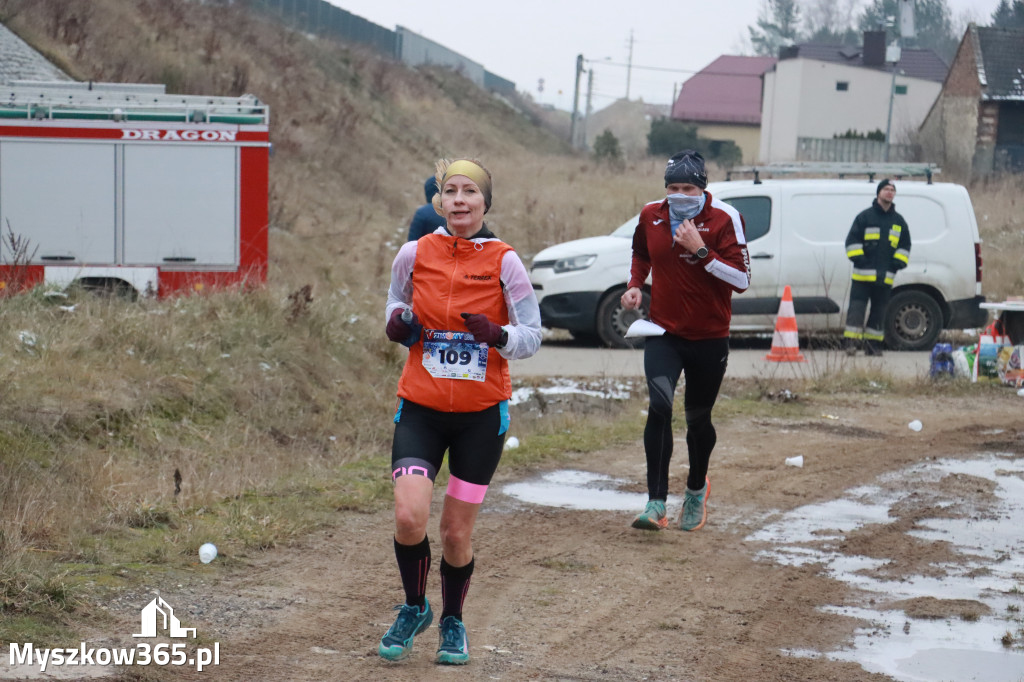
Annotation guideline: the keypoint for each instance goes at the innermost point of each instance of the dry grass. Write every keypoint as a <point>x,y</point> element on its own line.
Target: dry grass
<point>998,204</point>
<point>100,405</point>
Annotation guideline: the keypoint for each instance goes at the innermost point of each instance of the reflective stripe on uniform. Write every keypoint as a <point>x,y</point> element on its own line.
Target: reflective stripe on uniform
<point>864,275</point>
<point>894,235</point>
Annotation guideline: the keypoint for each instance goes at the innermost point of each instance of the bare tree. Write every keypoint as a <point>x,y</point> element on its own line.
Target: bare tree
<point>831,21</point>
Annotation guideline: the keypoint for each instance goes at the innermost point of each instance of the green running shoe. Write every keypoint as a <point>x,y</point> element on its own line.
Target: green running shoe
<point>653,516</point>
<point>695,508</point>
<point>454,647</point>
<point>396,643</point>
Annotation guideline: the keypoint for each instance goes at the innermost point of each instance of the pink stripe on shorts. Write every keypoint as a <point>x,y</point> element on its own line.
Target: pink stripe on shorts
<point>467,492</point>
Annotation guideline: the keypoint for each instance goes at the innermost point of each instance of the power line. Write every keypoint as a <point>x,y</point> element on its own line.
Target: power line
<point>663,68</point>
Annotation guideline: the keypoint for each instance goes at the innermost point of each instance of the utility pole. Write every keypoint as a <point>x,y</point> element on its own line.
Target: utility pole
<point>907,30</point>
<point>892,95</point>
<point>576,101</point>
<point>629,69</point>
<point>586,116</point>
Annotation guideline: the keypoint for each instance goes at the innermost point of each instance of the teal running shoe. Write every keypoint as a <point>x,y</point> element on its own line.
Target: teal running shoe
<point>653,517</point>
<point>454,646</point>
<point>396,643</point>
<point>695,508</point>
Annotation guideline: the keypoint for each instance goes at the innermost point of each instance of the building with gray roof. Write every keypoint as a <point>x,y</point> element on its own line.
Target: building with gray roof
<point>19,62</point>
<point>976,125</point>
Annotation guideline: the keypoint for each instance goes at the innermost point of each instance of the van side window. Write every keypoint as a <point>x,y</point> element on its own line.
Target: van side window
<point>757,214</point>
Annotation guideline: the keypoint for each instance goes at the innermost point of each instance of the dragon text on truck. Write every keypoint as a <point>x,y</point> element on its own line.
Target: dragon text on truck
<point>125,188</point>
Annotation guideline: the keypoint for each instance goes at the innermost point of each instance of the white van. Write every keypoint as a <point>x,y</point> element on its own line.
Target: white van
<point>796,232</point>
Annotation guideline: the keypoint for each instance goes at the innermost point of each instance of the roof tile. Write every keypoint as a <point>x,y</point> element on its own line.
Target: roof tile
<point>728,90</point>
<point>1002,53</point>
<point>18,61</point>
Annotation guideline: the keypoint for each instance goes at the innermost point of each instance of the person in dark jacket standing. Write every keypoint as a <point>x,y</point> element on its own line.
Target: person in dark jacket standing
<point>878,245</point>
<point>425,220</point>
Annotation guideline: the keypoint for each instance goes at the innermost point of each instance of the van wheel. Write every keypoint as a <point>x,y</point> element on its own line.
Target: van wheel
<point>613,320</point>
<point>913,321</point>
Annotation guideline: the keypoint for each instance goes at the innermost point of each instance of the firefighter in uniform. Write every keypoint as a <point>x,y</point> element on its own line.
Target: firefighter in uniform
<point>878,244</point>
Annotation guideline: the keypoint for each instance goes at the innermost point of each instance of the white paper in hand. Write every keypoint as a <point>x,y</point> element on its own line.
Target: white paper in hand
<point>644,328</point>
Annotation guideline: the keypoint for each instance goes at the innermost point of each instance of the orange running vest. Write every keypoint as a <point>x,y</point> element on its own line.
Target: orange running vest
<point>453,276</point>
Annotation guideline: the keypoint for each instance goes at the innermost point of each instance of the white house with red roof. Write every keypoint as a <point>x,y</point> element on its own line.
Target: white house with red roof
<point>724,101</point>
<point>816,92</point>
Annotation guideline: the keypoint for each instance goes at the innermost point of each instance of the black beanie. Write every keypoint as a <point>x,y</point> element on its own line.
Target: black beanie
<point>882,185</point>
<point>686,166</point>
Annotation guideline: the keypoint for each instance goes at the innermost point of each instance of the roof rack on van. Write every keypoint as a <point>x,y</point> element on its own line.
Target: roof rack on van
<point>885,170</point>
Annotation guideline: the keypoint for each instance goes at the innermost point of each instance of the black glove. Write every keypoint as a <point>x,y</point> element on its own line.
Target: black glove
<point>404,327</point>
<point>483,330</point>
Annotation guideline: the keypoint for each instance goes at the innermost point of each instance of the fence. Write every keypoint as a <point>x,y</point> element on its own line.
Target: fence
<point>853,150</point>
<point>324,19</point>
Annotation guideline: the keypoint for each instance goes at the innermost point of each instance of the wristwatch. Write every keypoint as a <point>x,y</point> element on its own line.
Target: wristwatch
<point>702,252</point>
<point>502,339</point>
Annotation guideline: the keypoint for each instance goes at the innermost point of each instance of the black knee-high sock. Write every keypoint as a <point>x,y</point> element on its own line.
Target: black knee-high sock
<point>413,566</point>
<point>454,586</point>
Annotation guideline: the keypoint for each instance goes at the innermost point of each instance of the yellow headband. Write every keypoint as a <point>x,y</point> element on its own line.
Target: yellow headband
<point>471,171</point>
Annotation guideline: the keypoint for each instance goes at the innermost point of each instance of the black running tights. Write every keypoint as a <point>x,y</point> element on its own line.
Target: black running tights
<point>702,364</point>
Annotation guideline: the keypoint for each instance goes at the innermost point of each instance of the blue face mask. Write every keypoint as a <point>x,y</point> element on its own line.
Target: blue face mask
<point>683,206</point>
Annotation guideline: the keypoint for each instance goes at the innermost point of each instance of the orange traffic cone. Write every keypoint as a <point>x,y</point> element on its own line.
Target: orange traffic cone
<point>785,342</point>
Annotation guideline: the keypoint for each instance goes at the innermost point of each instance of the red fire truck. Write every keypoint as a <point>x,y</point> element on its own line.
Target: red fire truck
<point>126,188</point>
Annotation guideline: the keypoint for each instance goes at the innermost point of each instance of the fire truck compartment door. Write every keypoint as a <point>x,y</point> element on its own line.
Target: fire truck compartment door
<point>59,198</point>
<point>180,205</point>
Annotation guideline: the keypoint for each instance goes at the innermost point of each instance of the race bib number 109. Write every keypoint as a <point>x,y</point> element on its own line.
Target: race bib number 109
<point>454,355</point>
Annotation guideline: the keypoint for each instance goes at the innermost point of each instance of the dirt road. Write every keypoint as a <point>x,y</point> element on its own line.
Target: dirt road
<point>578,595</point>
<point>571,359</point>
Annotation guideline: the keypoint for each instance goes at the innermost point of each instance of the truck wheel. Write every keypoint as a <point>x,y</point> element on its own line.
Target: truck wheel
<point>913,321</point>
<point>613,320</point>
<point>108,288</point>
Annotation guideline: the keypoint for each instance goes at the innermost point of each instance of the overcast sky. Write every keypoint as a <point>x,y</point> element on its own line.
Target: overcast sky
<point>529,40</point>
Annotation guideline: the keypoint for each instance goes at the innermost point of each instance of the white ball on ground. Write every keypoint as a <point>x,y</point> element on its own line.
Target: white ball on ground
<point>512,443</point>
<point>208,552</point>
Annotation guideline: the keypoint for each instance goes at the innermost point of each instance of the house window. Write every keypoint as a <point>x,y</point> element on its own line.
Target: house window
<point>842,86</point>
<point>900,89</point>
